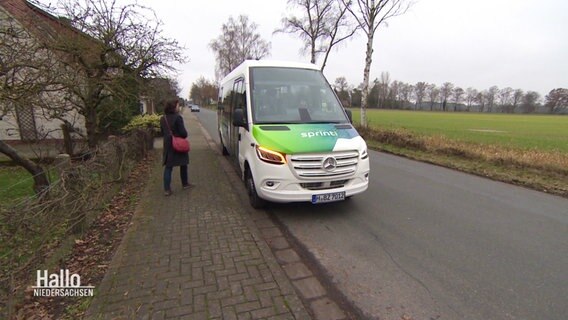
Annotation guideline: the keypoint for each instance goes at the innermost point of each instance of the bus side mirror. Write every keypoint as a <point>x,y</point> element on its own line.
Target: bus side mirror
<point>349,115</point>
<point>239,118</point>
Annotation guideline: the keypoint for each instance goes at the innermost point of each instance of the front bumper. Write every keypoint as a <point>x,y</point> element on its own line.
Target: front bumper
<point>278,183</point>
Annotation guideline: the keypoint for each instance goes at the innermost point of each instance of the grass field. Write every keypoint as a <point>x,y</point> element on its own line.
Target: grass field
<point>528,150</point>
<point>533,132</point>
<point>15,184</point>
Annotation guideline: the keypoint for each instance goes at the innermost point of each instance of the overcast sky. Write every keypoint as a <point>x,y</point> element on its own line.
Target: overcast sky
<point>508,43</point>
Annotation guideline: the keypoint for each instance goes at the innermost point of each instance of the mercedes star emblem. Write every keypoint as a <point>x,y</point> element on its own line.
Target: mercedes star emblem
<point>329,164</point>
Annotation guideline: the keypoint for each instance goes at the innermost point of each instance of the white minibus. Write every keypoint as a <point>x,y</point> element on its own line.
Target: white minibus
<point>288,134</point>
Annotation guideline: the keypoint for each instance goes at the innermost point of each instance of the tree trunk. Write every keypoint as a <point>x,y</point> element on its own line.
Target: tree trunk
<point>313,48</point>
<point>324,61</point>
<point>41,182</point>
<point>91,126</point>
<point>67,140</point>
<point>366,71</point>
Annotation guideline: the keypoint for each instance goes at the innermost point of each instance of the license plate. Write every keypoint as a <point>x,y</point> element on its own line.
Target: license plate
<point>328,197</point>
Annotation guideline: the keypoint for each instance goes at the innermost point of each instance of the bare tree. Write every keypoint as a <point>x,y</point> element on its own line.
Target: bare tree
<point>341,29</point>
<point>310,27</point>
<point>25,76</point>
<point>458,96</point>
<point>159,91</point>
<point>356,95</point>
<point>433,94</point>
<point>374,97</point>
<point>406,92</point>
<point>394,94</point>
<point>238,42</point>
<point>445,92</point>
<point>340,84</point>
<point>324,25</point>
<point>370,14</point>
<point>383,87</point>
<point>490,96</point>
<point>203,91</point>
<point>420,93</point>
<point>109,48</point>
<point>517,98</point>
<point>470,97</point>
<point>557,100</point>
<point>505,97</point>
<point>397,95</point>
<point>342,90</point>
<point>530,101</point>
<point>481,99</point>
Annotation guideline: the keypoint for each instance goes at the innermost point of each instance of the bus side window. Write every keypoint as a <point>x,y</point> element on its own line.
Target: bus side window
<point>240,101</point>
<point>235,101</point>
<point>220,102</point>
<point>244,102</point>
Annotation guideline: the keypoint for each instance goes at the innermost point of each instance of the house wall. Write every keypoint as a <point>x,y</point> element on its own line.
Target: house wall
<point>47,128</point>
<point>9,127</point>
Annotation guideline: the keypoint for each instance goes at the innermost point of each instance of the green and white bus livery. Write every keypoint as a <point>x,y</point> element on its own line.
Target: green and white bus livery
<point>288,135</point>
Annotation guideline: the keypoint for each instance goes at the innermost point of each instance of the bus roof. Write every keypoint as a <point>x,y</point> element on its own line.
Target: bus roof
<point>267,63</point>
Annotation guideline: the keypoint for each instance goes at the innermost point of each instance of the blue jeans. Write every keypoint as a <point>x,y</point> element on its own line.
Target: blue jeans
<point>168,177</point>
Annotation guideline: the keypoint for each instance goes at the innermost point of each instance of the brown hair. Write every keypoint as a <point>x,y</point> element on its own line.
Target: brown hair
<point>171,106</point>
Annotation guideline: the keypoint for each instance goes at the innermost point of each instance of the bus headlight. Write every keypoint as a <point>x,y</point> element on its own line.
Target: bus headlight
<point>270,156</point>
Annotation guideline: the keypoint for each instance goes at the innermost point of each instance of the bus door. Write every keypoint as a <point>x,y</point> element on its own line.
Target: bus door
<point>238,102</point>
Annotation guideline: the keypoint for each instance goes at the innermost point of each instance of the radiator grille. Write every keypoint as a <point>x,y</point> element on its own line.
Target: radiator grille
<point>312,165</point>
<point>324,185</point>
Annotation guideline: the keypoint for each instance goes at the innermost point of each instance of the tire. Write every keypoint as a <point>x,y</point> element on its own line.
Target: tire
<point>255,201</point>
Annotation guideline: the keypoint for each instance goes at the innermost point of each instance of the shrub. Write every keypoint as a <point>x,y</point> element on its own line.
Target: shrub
<point>146,121</point>
<point>35,230</point>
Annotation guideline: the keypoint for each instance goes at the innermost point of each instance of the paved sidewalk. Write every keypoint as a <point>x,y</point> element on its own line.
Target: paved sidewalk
<point>195,255</point>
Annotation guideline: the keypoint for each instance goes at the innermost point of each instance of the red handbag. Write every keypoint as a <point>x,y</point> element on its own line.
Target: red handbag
<point>179,144</point>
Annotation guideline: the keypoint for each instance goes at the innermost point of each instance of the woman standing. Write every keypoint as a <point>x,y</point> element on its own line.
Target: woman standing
<point>172,123</point>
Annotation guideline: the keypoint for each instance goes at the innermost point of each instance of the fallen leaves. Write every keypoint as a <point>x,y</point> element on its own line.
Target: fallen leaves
<point>91,254</point>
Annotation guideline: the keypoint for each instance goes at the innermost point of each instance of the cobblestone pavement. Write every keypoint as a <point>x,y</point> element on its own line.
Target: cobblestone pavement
<point>198,255</point>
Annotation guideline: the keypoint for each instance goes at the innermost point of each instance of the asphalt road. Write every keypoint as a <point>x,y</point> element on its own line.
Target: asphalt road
<point>208,119</point>
<point>425,242</point>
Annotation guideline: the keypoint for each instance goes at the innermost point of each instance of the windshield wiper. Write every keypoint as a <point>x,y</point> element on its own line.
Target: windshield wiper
<point>333,122</point>
<point>277,122</point>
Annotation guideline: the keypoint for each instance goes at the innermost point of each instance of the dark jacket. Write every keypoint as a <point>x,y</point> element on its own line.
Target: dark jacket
<point>172,158</point>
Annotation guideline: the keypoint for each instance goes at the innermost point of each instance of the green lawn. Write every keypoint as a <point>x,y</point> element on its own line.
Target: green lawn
<point>537,132</point>
<point>15,184</point>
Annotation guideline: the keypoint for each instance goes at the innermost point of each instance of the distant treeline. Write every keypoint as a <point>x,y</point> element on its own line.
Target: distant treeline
<point>387,94</point>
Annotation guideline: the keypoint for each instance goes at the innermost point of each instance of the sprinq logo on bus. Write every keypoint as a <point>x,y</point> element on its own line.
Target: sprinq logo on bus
<point>320,133</point>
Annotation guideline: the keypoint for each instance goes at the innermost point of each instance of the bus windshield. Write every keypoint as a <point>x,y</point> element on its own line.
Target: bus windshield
<point>292,95</point>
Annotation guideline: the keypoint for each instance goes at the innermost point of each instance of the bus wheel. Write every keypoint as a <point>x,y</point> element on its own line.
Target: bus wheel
<point>255,201</point>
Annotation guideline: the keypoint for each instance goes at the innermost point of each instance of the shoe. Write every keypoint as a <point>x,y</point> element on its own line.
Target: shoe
<point>188,186</point>
<point>168,193</point>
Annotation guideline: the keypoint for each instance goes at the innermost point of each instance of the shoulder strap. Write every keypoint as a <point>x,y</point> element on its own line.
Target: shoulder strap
<point>168,124</point>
